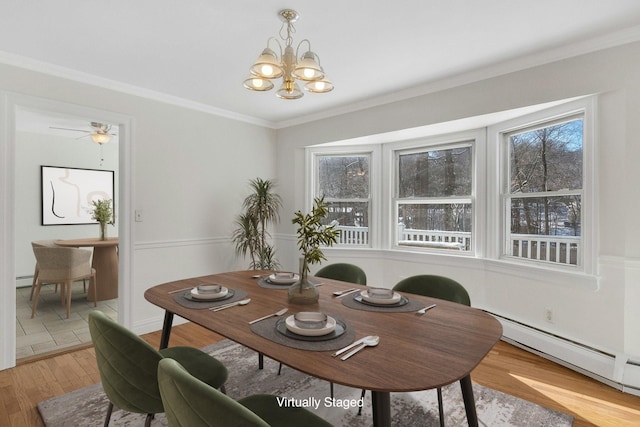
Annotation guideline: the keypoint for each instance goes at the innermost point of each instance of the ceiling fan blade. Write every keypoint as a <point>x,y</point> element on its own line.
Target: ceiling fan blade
<point>75,130</point>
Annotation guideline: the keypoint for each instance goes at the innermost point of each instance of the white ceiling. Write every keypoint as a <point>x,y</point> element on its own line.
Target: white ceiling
<point>197,52</point>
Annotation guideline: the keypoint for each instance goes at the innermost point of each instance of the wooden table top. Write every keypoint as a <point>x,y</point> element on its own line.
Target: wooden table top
<point>92,241</point>
<point>415,352</point>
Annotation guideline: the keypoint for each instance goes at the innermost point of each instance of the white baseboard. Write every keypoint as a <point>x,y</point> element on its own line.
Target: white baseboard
<point>614,370</point>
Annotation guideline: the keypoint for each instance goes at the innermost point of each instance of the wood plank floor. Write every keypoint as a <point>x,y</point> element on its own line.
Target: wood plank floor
<point>507,368</point>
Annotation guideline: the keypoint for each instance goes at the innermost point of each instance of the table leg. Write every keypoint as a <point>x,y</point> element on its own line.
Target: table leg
<point>166,329</point>
<point>381,402</point>
<point>469,401</point>
<point>105,261</point>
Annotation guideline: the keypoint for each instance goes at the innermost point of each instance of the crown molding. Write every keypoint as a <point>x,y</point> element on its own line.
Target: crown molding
<point>91,79</point>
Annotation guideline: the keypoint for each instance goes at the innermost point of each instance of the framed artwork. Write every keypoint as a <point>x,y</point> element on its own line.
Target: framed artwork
<point>67,193</point>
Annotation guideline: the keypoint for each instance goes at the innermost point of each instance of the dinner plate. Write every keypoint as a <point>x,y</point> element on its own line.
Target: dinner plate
<point>403,301</point>
<point>339,329</point>
<point>396,298</point>
<point>194,295</point>
<point>329,327</point>
<point>283,280</point>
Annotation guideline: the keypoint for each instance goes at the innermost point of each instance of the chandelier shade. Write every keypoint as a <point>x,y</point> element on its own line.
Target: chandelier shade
<point>270,66</point>
<point>267,66</point>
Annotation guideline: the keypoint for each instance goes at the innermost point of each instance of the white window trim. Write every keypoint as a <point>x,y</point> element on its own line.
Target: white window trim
<point>373,151</point>
<point>476,138</point>
<point>497,166</point>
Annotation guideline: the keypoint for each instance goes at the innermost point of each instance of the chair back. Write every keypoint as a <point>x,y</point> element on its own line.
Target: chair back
<point>189,402</point>
<point>44,244</point>
<point>128,366</point>
<point>434,286</point>
<point>57,264</point>
<point>343,271</point>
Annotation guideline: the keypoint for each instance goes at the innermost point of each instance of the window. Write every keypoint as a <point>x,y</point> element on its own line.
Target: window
<point>543,192</point>
<point>434,197</point>
<point>344,181</point>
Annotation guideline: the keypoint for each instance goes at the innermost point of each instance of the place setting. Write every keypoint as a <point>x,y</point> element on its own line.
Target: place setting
<point>209,295</point>
<point>305,330</point>
<point>279,280</point>
<point>381,300</point>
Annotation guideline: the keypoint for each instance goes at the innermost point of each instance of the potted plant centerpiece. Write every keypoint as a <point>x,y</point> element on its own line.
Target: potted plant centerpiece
<point>311,235</point>
<point>260,211</point>
<point>103,213</point>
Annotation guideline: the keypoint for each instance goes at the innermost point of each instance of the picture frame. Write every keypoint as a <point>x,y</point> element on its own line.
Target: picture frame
<point>67,193</point>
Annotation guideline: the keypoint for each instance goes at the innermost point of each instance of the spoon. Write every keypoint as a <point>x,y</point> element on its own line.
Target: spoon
<point>277,313</point>
<point>233,304</point>
<point>424,310</point>
<point>367,342</point>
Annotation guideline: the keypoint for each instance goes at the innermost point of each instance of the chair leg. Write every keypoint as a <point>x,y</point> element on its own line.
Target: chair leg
<point>33,284</point>
<point>95,290</point>
<point>147,422</point>
<point>108,418</point>
<point>260,360</point>
<point>361,397</point>
<point>35,299</point>
<point>440,407</point>
<point>280,369</point>
<point>68,291</point>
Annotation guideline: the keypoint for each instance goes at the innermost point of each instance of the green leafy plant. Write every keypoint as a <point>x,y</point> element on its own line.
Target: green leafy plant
<point>251,236</point>
<point>312,234</point>
<point>102,211</point>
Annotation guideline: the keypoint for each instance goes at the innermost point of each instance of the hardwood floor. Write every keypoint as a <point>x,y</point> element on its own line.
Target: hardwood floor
<point>507,368</point>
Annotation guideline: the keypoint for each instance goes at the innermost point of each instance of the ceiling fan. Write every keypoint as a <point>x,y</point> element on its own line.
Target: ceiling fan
<point>101,133</point>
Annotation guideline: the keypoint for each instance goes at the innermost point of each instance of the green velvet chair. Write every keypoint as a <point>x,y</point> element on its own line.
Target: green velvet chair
<point>343,271</point>
<point>434,286</point>
<point>189,402</point>
<point>128,367</point>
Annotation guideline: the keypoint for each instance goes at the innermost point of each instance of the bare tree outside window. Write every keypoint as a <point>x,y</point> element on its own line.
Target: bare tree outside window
<point>545,191</point>
<point>344,182</point>
<point>434,192</point>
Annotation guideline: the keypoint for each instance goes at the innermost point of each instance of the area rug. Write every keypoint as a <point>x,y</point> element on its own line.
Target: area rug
<point>87,406</point>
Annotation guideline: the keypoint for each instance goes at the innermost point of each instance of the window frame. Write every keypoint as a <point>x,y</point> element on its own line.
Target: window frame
<point>500,228</point>
<point>475,139</point>
<point>313,155</point>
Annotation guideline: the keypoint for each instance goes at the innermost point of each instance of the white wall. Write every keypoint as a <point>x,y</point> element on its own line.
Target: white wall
<point>606,318</point>
<point>190,172</point>
<point>33,150</point>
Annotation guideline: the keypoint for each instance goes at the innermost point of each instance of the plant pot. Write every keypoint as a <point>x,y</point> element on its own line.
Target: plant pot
<point>303,292</point>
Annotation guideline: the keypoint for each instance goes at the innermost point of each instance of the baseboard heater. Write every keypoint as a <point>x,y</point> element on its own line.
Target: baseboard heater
<point>615,370</point>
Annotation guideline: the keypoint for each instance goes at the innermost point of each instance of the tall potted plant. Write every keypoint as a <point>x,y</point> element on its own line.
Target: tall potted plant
<point>312,234</point>
<point>260,211</point>
<point>103,213</point>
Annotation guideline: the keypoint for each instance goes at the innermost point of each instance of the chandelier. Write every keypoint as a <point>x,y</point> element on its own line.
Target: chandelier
<point>269,66</point>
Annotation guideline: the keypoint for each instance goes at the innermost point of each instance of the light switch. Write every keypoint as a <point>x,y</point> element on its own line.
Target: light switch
<point>138,215</point>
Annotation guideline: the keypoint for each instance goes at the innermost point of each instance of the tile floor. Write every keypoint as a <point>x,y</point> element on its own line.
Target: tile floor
<point>50,329</point>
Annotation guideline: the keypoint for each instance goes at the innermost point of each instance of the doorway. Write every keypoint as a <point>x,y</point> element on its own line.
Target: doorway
<point>20,118</point>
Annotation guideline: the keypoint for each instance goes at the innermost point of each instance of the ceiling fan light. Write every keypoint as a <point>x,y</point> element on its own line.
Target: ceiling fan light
<point>308,68</point>
<point>100,138</point>
<point>319,86</point>
<point>267,65</point>
<point>289,90</point>
<point>258,84</point>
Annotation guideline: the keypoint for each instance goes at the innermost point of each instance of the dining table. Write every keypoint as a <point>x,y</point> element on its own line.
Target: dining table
<point>105,262</point>
<point>415,351</point>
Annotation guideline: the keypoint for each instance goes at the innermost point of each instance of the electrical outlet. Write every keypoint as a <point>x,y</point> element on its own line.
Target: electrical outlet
<point>548,315</point>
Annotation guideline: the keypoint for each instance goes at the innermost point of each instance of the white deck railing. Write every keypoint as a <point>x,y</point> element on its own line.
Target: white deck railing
<point>555,249</point>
